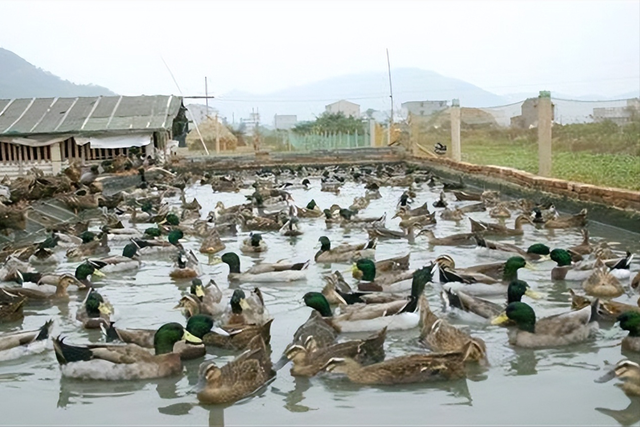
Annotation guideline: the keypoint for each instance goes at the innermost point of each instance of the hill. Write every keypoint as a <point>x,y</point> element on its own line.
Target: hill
<point>370,90</point>
<point>20,79</point>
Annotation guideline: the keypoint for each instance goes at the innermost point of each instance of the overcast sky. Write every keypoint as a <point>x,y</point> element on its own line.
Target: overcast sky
<point>573,47</point>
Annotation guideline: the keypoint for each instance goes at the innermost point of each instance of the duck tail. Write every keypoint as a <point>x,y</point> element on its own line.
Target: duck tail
<point>67,353</point>
<point>371,244</point>
<point>45,330</point>
<point>110,333</point>
<point>450,299</point>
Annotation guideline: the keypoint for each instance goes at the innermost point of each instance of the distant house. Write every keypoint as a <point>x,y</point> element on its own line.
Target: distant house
<point>49,133</point>
<point>423,108</point>
<point>284,121</point>
<point>618,115</point>
<point>344,106</point>
<point>529,114</point>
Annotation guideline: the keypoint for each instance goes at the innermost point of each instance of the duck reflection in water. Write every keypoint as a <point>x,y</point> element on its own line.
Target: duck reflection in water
<point>294,397</point>
<point>73,392</point>
<point>627,416</point>
<point>524,362</point>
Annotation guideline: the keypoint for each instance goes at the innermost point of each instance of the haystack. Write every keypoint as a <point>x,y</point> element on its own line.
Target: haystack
<point>209,128</point>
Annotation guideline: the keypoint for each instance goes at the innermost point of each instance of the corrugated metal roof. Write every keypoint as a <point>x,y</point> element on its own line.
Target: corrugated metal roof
<point>87,114</point>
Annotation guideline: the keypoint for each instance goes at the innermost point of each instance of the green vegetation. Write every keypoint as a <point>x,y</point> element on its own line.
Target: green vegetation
<point>595,153</point>
<point>331,123</point>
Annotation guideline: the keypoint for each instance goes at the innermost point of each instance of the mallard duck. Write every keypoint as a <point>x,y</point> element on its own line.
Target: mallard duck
<point>462,196</point>
<point>452,214</point>
<point>312,210</point>
<point>187,266</point>
<point>81,200</point>
<point>309,359</point>
<point>127,261</point>
<point>238,378</point>
<point>440,336</point>
<point>235,336</point>
<point>364,270</point>
<point>413,368</point>
<point>246,310</point>
<point>629,373</point>
<point>19,344</point>
<point>395,315</point>
<point>212,243</point>
<point>359,203</point>
<point>500,211</point>
<point>43,291</point>
<point>405,213</point>
<point>145,338</point>
<point>452,240</point>
<point>344,252</point>
<point>499,229</point>
<point>478,284</point>
<point>264,272</point>
<point>495,270</point>
<point>630,321</point>
<point>92,245</point>
<point>483,308</point>
<point>11,306</point>
<point>153,247</point>
<point>212,301</point>
<point>565,269</point>
<point>607,310</point>
<point>562,329</point>
<point>441,202</point>
<point>124,362</point>
<point>602,284</point>
<point>577,220</point>
<point>620,267</point>
<point>583,248</point>
<point>535,252</point>
<point>418,221</point>
<point>475,207</point>
<point>94,312</point>
<point>291,228</point>
<point>253,244</point>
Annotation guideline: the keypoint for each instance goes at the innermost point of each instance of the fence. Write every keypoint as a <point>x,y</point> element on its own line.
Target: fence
<point>326,141</point>
<point>596,142</point>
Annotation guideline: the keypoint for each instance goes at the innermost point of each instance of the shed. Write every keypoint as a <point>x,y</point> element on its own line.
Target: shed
<point>51,132</point>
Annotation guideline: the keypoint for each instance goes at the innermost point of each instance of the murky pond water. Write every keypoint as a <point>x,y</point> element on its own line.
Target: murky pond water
<point>551,386</point>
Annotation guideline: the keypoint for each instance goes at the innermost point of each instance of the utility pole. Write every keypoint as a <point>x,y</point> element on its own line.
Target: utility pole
<point>206,96</point>
<point>390,96</point>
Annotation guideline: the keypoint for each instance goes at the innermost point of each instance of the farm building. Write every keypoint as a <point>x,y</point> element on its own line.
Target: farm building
<point>48,133</point>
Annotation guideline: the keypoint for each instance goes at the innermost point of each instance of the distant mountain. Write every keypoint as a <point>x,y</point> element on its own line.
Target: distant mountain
<point>20,79</point>
<point>370,90</point>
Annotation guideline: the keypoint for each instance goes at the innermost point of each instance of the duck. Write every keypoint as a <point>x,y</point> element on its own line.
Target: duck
<point>11,307</point>
<point>463,196</point>
<point>309,358</point>
<point>291,228</point>
<point>477,284</point>
<point>452,214</point>
<point>440,336</point>
<point>602,284</point>
<point>405,212</point>
<point>81,200</point>
<point>584,248</point>
<point>265,272</point>
<point>344,252</point>
<point>499,229</point>
<point>237,379</point>
<point>451,240</point>
<point>565,269</point>
<point>145,338</point>
<point>413,368</point>
<point>385,233</point>
<point>312,210</point>
<point>629,373</point>
<point>535,252</point>
<point>44,290</point>
<point>441,202</point>
<point>113,362</point>
<point>364,270</point>
<point>395,315</point>
<point>608,310</point>
<point>253,244</point>
<point>418,221</point>
<point>94,312</point>
<point>125,262</point>
<point>359,204</point>
<point>620,267</point>
<point>635,282</point>
<point>484,308</point>
<point>210,297</point>
<point>494,270</point>
<point>569,221</point>
<point>92,245</point>
<point>153,247</point>
<point>246,310</point>
<point>187,266</point>
<point>500,211</point>
<point>630,321</point>
<point>229,336</point>
<point>19,344</point>
<point>559,330</point>
<point>212,244</point>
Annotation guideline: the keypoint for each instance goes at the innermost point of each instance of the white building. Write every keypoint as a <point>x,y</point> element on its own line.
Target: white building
<point>344,106</point>
<point>424,108</point>
<point>285,121</point>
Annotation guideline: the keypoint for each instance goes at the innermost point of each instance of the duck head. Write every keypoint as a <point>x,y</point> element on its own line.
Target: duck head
<point>169,334</point>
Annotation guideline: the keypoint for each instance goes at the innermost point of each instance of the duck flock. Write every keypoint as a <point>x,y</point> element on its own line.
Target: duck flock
<point>427,292</point>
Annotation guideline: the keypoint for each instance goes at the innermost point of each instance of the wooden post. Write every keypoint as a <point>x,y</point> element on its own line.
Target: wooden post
<point>413,135</point>
<point>217,132</point>
<point>372,132</point>
<point>455,130</point>
<point>544,133</point>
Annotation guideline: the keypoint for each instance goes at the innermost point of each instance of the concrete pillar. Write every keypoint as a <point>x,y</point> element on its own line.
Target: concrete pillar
<point>372,133</point>
<point>544,133</point>
<point>413,135</point>
<point>455,131</point>
<point>56,158</point>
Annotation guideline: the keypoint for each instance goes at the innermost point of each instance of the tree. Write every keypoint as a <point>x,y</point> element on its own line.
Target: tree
<point>331,123</point>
